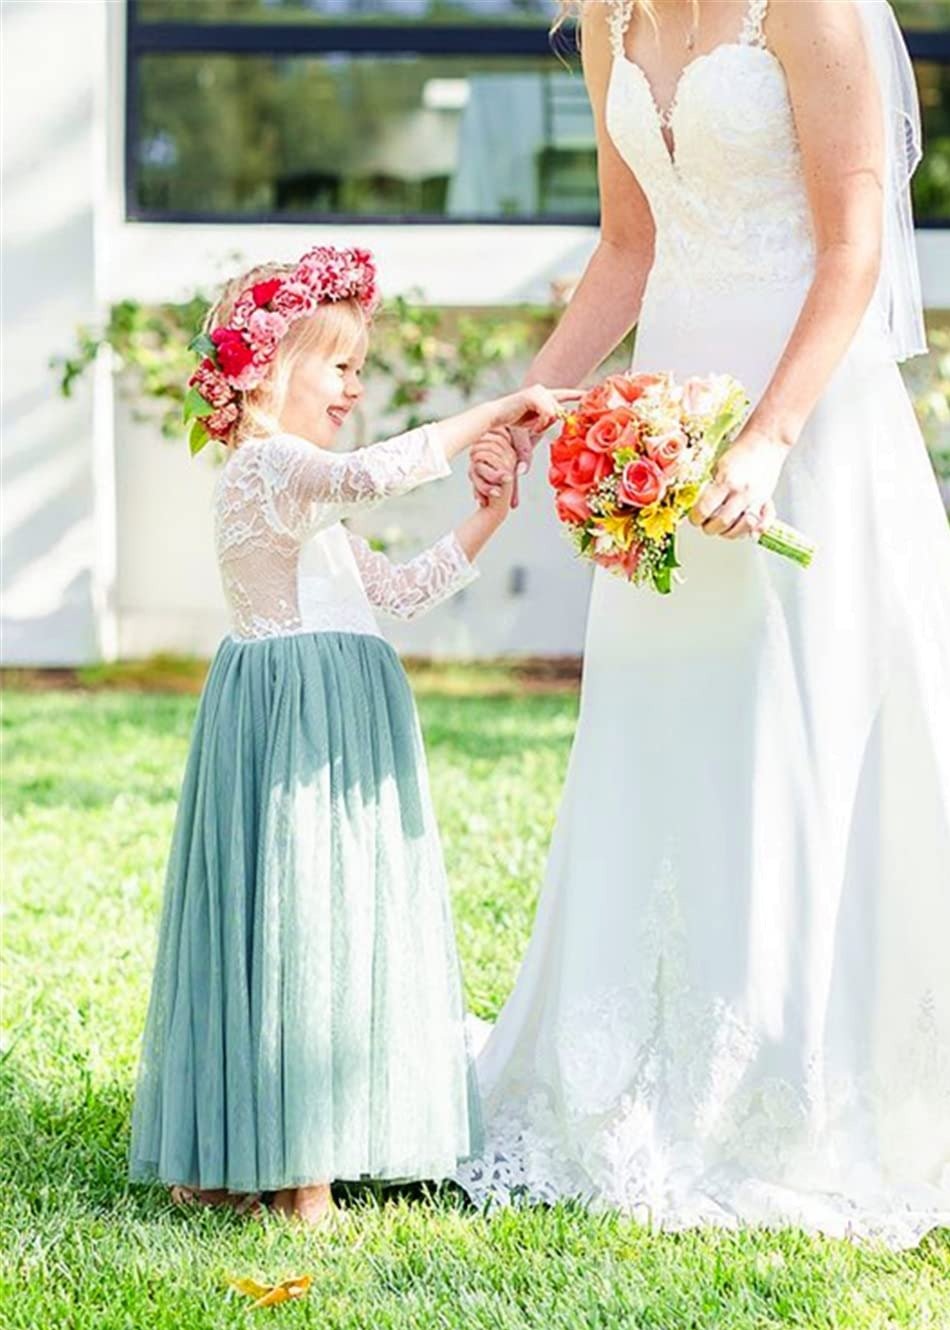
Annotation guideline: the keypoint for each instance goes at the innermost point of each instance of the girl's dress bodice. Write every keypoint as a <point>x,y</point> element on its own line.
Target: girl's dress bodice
<point>728,197</point>
<point>288,565</point>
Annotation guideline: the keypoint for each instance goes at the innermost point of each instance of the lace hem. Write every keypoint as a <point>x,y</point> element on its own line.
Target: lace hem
<point>621,1166</point>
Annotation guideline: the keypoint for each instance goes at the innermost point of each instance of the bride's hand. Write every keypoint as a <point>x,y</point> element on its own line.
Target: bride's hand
<point>738,500</point>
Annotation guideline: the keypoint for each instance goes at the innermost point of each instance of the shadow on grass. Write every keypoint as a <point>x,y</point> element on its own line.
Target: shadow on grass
<point>68,1152</point>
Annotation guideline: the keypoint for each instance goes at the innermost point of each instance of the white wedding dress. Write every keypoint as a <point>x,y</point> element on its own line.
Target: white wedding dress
<point>735,1007</point>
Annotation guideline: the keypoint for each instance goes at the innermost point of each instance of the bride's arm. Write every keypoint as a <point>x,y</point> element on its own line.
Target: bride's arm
<point>606,302</point>
<point>837,113</point>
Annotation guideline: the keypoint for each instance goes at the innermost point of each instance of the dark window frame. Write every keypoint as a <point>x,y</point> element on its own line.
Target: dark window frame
<point>316,39</point>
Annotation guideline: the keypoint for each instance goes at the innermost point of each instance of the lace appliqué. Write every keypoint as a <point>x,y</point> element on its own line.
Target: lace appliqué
<point>619,15</point>
<point>274,496</point>
<point>661,1106</point>
<point>729,201</point>
<point>753,27</point>
<point>405,590</point>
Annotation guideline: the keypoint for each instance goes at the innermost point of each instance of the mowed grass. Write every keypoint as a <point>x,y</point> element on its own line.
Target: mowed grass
<point>90,782</point>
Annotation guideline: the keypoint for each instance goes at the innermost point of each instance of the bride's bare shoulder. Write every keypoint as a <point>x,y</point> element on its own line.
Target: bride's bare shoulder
<point>810,28</point>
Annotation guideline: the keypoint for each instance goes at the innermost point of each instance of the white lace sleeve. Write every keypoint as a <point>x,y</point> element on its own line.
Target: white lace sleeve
<point>405,590</point>
<point>311,488</point>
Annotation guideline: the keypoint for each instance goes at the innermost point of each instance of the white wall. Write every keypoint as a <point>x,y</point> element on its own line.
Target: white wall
<point>54,574</point>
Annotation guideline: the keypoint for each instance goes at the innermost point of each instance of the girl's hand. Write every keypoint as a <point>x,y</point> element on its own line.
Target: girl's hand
<point>535,409</point>
<point>481,472</point>
<point>738,500</point>
<point>491,463</point>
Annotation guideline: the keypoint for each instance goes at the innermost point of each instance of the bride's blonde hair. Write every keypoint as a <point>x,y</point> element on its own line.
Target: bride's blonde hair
<point>569,8</point>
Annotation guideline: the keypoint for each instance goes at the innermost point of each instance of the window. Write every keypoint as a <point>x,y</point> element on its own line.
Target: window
<point>395,110</point>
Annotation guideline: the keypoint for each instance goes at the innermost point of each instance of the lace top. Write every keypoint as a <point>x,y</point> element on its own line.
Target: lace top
<point>720,165</point>
<point>287,563</point>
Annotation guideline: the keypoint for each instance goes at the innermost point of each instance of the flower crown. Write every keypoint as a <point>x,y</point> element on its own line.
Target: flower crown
<point>236,357</point>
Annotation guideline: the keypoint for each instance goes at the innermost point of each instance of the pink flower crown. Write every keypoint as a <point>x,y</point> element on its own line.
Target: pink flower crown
<point>236,357</point>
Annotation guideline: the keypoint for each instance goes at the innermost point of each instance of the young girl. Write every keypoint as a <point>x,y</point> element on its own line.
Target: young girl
<point>306,1016</point>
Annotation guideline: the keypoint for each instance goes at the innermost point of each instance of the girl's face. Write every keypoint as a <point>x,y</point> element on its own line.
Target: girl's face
<point>322,392</point>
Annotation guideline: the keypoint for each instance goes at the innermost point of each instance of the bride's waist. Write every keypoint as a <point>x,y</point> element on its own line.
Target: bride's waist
<point>691,330</point>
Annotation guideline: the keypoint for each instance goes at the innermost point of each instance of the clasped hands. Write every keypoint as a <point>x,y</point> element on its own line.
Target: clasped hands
<point>736,503</point>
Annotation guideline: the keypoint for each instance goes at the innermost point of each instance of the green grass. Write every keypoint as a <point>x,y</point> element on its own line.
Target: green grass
<point>90,781</point>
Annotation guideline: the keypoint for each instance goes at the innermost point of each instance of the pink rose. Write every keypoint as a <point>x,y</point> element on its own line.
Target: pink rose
<point>293,300</point>
<point>211,383</point>
<point>572,507</point>
<point>641,482</point>
<point>264,331</point>
<point>244,307</point>
<point>220,423</point>
<point>700,397</point>
<point>667,450</point>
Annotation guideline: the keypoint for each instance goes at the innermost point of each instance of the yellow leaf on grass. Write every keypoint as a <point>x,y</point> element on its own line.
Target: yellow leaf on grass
<point>269,1295</point>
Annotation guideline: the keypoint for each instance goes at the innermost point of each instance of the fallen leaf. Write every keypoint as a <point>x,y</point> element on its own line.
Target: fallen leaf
<point>269,1295</point>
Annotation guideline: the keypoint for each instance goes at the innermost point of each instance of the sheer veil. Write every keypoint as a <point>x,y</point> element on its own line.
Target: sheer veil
<point>898,296</point>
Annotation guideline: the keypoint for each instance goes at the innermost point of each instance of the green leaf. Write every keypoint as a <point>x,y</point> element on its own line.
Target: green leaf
<point>198,437</point>
<point>195,405</point>
<point>202,345</point>
<point>663,579</point>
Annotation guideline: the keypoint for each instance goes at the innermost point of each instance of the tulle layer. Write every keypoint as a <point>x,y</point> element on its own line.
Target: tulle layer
<point>306,1020</point>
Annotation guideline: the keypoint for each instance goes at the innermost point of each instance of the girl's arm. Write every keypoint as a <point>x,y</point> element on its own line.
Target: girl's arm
<point>838,118</point>
<point>606,303</point>
<point>405,590</point>
<point>312,488</point>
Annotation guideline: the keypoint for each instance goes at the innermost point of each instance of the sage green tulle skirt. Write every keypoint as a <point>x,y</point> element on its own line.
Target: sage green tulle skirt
<point>306,1020</point>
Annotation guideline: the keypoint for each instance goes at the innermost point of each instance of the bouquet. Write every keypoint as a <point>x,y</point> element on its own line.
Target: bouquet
<point>632,460</point>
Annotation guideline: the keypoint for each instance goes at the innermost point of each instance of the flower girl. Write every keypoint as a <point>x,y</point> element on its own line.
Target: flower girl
<point>306,1021</point>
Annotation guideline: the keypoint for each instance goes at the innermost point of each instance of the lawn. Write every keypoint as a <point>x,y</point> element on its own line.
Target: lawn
<point>90,780</point>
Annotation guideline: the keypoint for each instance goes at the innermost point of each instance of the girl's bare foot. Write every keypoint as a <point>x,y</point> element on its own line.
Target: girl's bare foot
<point>311,1205</point>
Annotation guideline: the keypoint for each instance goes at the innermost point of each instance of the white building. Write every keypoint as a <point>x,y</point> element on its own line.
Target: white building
<point>106,535</point>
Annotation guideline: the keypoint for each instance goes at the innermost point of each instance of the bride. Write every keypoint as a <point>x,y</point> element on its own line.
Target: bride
<point>735,1007</point>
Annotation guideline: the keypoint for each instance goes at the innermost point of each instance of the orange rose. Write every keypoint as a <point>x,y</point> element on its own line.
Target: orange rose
<point>617,429</point>
<point>572,507</point>
<point>564,448</point>
<point>624,560</point>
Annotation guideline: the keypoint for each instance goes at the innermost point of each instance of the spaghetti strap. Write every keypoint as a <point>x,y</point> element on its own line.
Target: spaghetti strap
<point>619,15</point>
<point>753,27</point>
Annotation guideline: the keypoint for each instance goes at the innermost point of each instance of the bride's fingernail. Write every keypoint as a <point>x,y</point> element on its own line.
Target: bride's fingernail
<point>522,468</point>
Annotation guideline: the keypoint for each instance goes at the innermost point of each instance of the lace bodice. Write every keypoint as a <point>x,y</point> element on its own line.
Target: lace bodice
<point>720,165</point>
<point>287,563</point>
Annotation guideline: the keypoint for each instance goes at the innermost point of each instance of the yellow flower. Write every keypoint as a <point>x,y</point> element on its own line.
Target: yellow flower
<point>620,530</point>
<point>687,496</point>
<point>656,522</point>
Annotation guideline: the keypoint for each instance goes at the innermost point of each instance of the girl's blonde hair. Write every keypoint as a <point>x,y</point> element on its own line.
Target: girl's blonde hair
<point>334,330</point>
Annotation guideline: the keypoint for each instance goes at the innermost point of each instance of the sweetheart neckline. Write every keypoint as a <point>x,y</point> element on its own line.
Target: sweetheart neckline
<point>664,118</point>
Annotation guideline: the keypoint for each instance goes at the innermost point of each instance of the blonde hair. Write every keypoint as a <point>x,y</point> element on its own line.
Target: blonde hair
<point>334,329</point>
<point>576,7</point>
